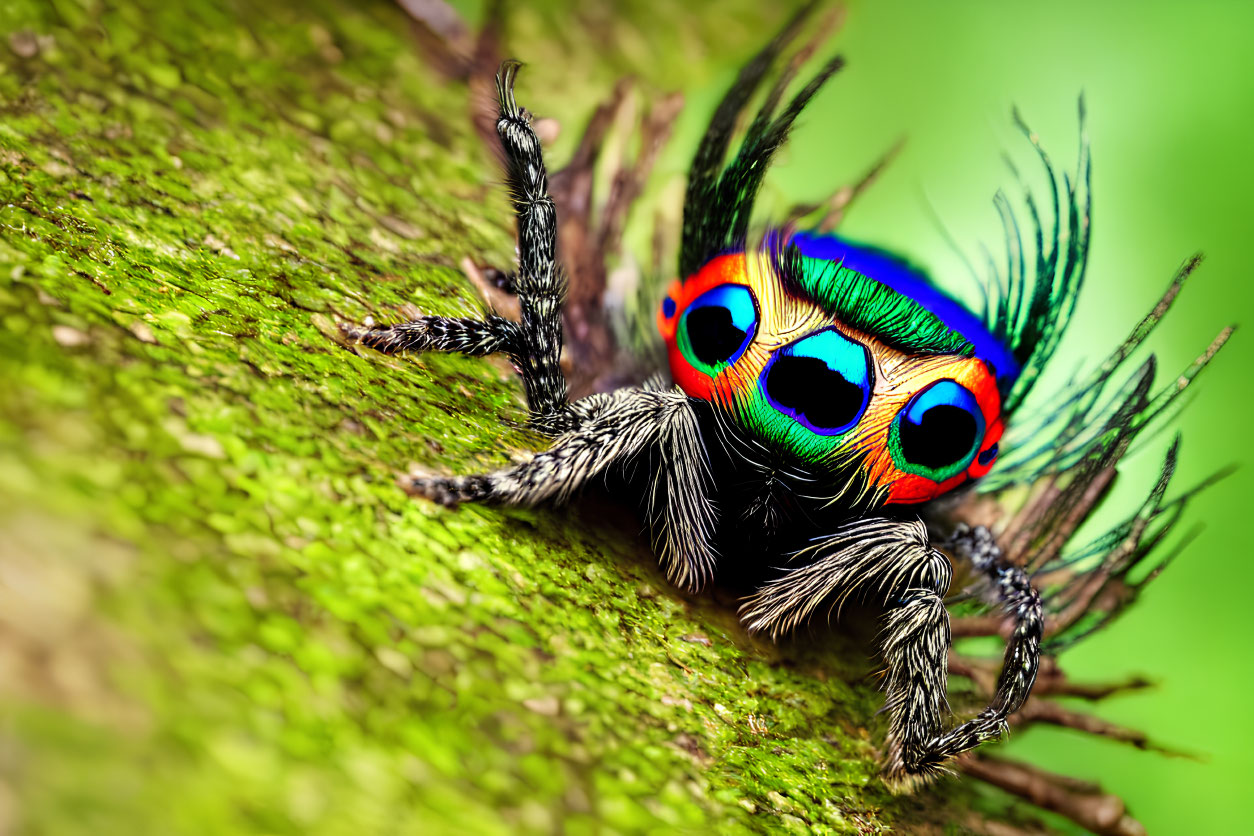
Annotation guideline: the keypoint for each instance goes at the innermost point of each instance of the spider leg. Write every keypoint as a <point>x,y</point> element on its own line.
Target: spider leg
<point>892,562</point>
<point>540,283</point>
<point>595,435</point>
<point>877,560</point>
<point>476,337</point>
<point>1018,598</point>
<point>535,343</point>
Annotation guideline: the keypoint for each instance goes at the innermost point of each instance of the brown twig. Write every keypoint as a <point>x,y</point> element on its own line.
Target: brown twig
<point>443,37</point>
<point>1016,538</point>
<point>446,45</point>
<point>1051,713</point>
<point>1081,802</point>
<point>1051,681</point>
<point>571,186</point>
<point>977,626</point>
<point>1061,518</point>
<point>655,130</point>
<point>587,243</point>
<point>982,672</point>
<point>989,827</point>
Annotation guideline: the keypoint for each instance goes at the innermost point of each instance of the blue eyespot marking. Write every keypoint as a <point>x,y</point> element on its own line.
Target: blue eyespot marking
<point>823,381</point>
<point>988,455</point>
<point>718,326</point>
<point>668,307</point>
<point>937,433</point>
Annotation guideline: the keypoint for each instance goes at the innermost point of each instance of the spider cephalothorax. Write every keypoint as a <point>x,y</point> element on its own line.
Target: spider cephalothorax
<point>826,393</point>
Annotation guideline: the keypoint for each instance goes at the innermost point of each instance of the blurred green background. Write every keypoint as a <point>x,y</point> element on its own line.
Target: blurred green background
<point>1170,93</point>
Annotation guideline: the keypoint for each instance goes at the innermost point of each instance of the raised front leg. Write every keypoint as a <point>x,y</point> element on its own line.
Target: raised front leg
<point>535,343</point>
<point>656,431</point>
<point>891,562</point>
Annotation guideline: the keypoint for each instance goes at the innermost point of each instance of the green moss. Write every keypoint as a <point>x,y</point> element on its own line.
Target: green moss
<point>220,614</point>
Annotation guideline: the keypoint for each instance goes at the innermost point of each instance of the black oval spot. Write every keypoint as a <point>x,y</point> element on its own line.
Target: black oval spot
<point>713,335</point>
<point>943,437</point>
<point>808,387</point>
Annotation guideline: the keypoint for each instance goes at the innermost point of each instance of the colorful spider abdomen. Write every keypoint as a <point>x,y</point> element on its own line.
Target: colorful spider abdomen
<point>842,356</point>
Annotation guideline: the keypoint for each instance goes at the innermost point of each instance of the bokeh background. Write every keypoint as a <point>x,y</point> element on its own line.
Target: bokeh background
<point>1170,94</point>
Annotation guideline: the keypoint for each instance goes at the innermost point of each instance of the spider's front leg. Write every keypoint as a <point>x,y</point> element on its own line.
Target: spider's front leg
<point>656,431</point>
<point>891,562</point>
<point>535,343</point>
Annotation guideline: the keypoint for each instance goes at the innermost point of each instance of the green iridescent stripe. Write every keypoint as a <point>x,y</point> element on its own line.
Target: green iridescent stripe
<point>782,431</point>
<point>865,304</point>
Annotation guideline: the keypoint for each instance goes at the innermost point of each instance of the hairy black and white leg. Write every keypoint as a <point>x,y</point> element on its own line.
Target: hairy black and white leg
<point>884,561</point>
<point>655,430</point>
<point>540,284</point>
<point>1012,589</point>
<point>892,562</point>
<point>680,511</point>
<point>535,343</point>
<point>476,337</point>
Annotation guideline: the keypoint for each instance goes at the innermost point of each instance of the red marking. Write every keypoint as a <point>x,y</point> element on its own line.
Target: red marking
<point>725,269</point>
<point>910,488</point>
